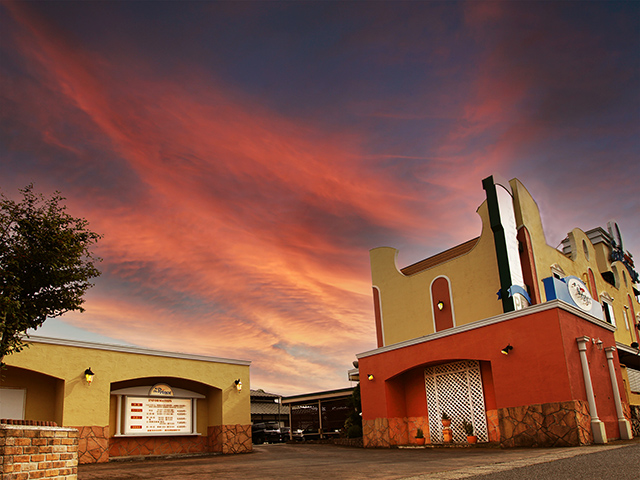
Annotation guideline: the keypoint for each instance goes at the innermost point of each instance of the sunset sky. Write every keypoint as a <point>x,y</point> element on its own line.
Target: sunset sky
<point>242,158</point>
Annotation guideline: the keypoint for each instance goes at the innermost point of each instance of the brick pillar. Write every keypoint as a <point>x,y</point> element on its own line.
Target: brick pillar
<point>29,452</point>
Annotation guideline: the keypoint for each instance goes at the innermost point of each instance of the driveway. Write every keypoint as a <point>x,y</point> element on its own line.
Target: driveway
<point>322,462</point>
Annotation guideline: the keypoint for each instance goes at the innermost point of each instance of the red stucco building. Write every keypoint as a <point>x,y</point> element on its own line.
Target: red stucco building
<point>530,345</point>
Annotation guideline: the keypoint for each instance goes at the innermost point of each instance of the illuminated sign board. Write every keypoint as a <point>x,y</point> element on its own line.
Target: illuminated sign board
<point>157,415</point>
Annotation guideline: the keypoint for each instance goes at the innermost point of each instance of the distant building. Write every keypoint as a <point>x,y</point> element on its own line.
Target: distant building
<point>531,345</point>
<point>129,401</point>
<point>319,414</point>
<point>268,408</point>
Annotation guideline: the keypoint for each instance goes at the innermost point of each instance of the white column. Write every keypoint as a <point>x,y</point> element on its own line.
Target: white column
<point>194,416</point>
<point>623,423</point>
<point>118,415</point>
<point>597,426</point>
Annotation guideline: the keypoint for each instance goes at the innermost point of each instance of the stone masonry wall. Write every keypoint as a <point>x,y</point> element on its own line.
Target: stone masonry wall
<point>29,452</point>
<point>634,417</point>
<point>230,439</point>
<point>93,444</point>
<point>557,424</point>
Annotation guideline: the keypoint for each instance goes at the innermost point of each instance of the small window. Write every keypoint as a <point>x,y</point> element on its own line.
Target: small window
<point>609,278</point>
<point>12,403</point>
<point>624,276</point>
<point>586,249</point>
<point>609,317</point>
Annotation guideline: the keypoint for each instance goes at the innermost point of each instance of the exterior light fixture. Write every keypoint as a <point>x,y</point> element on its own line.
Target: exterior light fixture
<point>88,375</point>
<point>506,350</point>
<point>440,305</point>
<point>238,385</point>
<point>370,377</point>
<point>635,345</point>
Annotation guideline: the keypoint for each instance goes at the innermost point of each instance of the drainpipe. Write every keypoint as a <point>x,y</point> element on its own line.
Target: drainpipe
<point>623,423</point>
<point>597,426</point>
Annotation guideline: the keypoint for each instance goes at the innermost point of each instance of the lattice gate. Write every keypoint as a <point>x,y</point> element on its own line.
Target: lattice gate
<point>456,388</point>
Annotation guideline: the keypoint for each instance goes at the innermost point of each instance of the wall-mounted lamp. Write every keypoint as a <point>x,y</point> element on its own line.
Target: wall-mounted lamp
<point>370,377</point>
<point>597,342</point>
<point>88,375</point>
<point>440,305</point>
<point>238,385</point>
<point>506,350</point>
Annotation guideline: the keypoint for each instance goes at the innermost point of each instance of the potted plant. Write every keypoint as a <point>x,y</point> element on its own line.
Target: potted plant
<point>468,428</point>
<point>446,421</point>
<point>447,434</point>
<point>419,437</point>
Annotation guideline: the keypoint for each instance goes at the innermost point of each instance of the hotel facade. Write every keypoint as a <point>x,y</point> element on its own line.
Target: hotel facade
<point>529,344</point>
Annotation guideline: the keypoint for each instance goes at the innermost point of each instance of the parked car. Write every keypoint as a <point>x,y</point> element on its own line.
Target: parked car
<point>297,435</point>
<point>268,432</point>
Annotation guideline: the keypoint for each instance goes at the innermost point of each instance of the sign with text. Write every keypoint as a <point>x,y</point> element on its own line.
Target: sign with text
<point>153,416</point>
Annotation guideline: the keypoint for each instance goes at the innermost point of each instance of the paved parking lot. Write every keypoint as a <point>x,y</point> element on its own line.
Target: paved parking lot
<point>322,462</point>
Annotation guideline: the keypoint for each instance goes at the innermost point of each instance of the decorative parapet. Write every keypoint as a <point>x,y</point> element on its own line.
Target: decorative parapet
<point>38,452</point>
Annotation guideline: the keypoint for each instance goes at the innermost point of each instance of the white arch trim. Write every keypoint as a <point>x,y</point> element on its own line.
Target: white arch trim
<point>381,316</point>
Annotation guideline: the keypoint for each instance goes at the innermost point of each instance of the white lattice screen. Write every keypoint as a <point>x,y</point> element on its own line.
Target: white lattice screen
<point>456,388</point>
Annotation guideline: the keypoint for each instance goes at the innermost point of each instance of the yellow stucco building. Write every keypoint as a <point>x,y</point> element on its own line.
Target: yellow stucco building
<point>419,299</point>
<point>139,402</point>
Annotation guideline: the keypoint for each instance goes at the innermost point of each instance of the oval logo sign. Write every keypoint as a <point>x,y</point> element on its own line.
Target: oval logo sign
<point>161,390</point>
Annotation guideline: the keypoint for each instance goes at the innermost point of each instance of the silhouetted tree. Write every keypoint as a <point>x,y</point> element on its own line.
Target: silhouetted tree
<point>45,264</point>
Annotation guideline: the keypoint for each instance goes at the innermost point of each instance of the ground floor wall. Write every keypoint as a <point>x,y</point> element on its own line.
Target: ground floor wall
<point>535,394</point>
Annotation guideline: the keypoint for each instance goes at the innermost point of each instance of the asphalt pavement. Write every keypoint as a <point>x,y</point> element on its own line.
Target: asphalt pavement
<point>619,460</point>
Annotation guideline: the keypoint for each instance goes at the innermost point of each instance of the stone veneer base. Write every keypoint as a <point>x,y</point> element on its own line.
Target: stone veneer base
<point>120,447</point>
<point>558,424</point>
<point>95,445</point>
<point>230,439</point>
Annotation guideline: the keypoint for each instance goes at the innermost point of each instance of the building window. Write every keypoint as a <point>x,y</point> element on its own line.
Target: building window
<point>12,401</point>
<point>634,380</point>
<point>557,271</point>
<point>607,310</point>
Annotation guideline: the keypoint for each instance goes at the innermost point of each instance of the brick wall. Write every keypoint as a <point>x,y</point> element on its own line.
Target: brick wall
<point>38,452</point>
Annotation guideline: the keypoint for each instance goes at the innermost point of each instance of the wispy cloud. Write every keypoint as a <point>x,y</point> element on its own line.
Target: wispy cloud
<point>241,173</point>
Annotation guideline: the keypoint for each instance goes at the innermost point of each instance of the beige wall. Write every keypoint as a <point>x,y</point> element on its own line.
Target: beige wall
<point>578,265</point>
<point>406,299</point>
<point>84,405</point>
